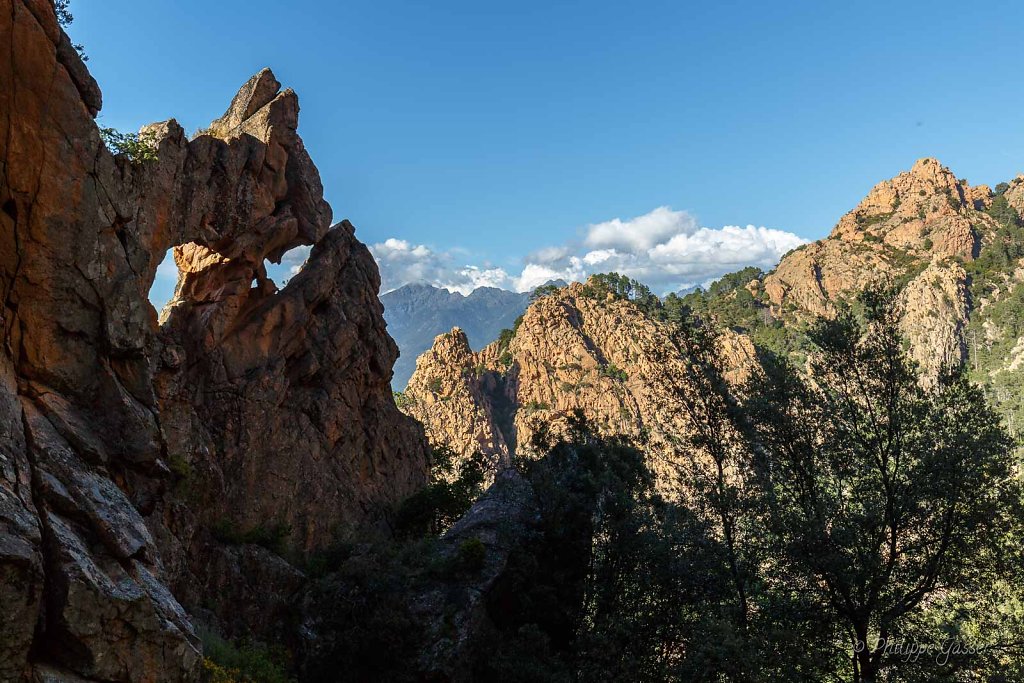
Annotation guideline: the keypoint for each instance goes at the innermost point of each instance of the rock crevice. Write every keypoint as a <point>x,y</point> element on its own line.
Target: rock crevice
<point>124,444</point>
<point>572,352</point>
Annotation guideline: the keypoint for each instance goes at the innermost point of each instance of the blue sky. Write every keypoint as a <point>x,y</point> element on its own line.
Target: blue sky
<point>496,135</point>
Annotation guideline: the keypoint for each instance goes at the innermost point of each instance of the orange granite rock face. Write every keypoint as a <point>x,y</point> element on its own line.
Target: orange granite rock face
<point>257,406</point>
<point>572,352</point>
<point>916,228</point>
<point>1015,194</point>
<point>926,209</point>
<point>606,358</point>
<point>919,215</point>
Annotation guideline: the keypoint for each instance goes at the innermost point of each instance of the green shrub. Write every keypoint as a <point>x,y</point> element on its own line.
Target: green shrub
<point>328,559</point>
<point>534,406</point>
<point>868,221</point>
<point>472,555</point>
<point>726,303</point>
<point>999,254</point>
<point>543,291</point>
<point>621,287</point>
<point>953,200</point>
<point>505,338</point>
<point>248,662</point>
<point>611,371</point>
<point>64,16</point>
<point>367,628</point>
<point>138,147</point>
<point>455,482</point>
<point>180,466</point>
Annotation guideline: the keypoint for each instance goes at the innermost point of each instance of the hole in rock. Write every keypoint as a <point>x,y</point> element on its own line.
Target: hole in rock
<point>162,289</point>
<point>272,274</point>
<point>292,262</point>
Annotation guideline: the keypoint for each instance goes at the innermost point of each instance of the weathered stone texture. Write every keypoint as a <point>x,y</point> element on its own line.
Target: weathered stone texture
<point>123,442</point>
<point>571,353</point>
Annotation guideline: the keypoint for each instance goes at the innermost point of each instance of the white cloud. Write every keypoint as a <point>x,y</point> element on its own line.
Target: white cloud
<point>294,259</point>
<point>642,232</point>
<point>401,263</point>
<point>472,277</point>
<point>536,274</point>
<point>593,258</point>
<point>665,249</point>
<point>549,254</point>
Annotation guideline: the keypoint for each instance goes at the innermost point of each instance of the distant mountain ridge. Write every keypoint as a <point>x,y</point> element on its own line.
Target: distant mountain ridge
<point>417,313</point>
<point>954,251</point>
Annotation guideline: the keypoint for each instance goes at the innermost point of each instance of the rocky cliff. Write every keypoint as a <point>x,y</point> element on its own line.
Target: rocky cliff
<point>917,230</point>
<point>954,250</point>
<point>417,313</point>
<point>574,350</point>
<point>1015,194</point>
<point>125,444</point>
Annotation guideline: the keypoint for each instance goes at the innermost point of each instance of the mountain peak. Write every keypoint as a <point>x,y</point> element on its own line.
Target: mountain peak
<point>417,313</point>
<point>915,226</point>
<point>925,209</point>
<point>575,350</point>
<point>928,164</point>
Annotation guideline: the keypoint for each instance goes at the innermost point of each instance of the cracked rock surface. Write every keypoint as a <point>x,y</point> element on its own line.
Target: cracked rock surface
<point>123,439</point>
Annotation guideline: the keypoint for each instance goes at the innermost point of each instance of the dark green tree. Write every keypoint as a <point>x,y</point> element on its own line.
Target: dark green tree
<point>767,617</point>
<point>616,584</point>
<point>622,287</point>
<point>886,494</point>
<point>455,482</point>
<point>543,291</point>
<point>64,16</point>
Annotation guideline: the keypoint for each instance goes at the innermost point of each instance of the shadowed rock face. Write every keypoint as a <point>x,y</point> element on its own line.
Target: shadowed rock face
<point>572,352</point>
<point>271,407</point>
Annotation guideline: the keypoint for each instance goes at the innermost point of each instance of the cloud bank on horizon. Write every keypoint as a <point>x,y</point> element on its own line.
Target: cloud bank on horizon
<point>665,249</point>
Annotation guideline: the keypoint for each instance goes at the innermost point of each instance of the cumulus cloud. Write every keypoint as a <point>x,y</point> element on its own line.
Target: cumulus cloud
<point>537,274</point>
<point>469,278</point>
<point>667,250</point>
<point>294,259</point>
<point>401,262</point>
<point>642,232</point>
<point>549,254</point>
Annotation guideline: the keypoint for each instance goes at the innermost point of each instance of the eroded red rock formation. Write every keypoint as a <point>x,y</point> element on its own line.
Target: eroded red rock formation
<point>271,407</point>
